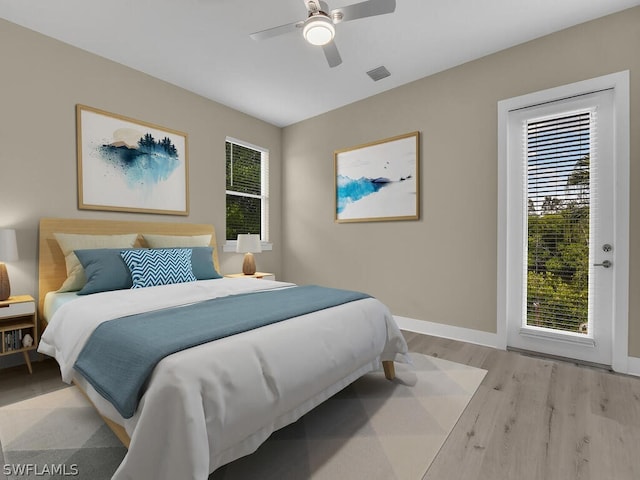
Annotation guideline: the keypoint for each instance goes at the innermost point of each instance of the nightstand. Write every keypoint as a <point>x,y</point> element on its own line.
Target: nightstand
<point>17,318</point>
<point>262,275</point>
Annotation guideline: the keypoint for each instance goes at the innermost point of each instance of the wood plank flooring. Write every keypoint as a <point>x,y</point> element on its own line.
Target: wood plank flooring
<point>531,419</point>
<point>538,419</point>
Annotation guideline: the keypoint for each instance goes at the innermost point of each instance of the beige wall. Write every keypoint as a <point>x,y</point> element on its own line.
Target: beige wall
<point>442,268</point>
<point>42,80</point>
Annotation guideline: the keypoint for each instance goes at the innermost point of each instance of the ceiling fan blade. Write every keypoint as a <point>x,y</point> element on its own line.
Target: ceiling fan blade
<point>370,8</point>
<point>331,52</point>
<point>275,31</point>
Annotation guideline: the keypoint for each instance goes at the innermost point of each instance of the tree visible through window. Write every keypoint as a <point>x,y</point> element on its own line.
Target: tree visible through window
<point>246,190</point>
<point>558,153</point>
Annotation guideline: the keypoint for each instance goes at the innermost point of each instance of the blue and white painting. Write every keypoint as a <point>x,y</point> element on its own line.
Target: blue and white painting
<point>378,181</point>
<point>130,165</point>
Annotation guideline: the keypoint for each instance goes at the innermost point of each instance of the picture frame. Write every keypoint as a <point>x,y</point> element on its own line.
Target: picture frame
<point>128,165</point>
<point>378,181</point>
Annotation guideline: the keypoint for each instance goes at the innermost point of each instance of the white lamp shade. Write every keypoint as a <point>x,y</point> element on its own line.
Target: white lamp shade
<point>248,243</point>
<point>8,245</point>
<point>318,30</point>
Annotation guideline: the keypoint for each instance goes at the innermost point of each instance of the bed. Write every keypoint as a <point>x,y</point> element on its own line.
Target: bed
<point>207,405</point>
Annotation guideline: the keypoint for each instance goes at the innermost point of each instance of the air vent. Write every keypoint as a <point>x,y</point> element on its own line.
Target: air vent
<point>378,73</point>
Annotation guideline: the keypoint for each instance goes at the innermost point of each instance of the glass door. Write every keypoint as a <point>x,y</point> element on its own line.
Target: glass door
<point>564,152</point>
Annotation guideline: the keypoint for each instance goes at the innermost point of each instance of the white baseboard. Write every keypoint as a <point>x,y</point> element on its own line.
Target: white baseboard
<point>633,366</point>
<point>451,332</point>
<point>478,337</point>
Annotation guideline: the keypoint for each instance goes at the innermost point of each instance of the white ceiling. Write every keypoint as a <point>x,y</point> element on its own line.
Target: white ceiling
<point>204,45</point>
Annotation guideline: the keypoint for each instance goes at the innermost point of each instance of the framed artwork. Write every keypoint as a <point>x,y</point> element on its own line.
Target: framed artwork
<point>378,181</point>
<point>130,166</point>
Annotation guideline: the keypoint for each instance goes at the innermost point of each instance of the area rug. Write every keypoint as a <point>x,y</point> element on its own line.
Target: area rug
<point>57,435</point>
<point>373,429</point>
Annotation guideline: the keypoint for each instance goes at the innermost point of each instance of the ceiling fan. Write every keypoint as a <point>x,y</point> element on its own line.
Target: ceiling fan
<point>319,27</point>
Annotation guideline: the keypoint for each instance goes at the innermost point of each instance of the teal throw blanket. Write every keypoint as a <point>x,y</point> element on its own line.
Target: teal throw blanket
<point>120,354</point>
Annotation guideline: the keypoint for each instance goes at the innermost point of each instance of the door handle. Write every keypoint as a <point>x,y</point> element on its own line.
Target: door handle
<point>605,264</point>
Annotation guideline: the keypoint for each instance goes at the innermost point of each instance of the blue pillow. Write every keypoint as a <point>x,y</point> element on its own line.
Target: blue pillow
<point>105,270</point>
<point>162,266</point>
<point>202,263</point>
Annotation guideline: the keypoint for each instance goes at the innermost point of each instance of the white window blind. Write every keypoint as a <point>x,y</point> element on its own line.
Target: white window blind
<point>558,153</point>
<point>247,190</point>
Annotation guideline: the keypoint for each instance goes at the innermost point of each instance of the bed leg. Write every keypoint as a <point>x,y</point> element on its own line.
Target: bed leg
<point>389,369</point>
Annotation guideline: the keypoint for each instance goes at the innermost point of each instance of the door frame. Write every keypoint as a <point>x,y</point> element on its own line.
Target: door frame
<point>619,82</point>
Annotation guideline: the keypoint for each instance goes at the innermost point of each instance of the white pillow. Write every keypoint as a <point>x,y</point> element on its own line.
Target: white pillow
<point>76,278</point>
<point>171,241</point>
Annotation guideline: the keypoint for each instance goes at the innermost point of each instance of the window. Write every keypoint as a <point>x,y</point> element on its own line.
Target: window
<point>247,190</point>
<point>557,152</point>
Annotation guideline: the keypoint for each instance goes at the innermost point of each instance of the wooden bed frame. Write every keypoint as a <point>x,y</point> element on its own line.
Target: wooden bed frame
<point>52,269</point>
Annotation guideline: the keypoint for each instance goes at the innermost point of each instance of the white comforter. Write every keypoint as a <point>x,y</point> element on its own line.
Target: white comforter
<point>208,405</point>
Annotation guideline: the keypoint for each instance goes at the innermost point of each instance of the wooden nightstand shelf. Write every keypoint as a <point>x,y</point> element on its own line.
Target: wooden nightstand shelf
<point>263,275</point>
<point>17,318</point>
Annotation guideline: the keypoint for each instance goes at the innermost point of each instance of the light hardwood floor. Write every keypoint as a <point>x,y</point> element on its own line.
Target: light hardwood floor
<point>538,419</point>
<point>531,419</point>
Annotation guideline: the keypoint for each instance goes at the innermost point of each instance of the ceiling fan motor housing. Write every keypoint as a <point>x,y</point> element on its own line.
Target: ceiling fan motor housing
<point>319,26</point>
<point>318,29</point>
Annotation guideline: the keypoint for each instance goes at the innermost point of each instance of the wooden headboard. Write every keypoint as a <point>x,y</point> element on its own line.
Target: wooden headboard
<point>51,266</point>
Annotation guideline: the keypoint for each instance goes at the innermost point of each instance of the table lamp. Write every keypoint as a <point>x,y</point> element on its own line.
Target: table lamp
<point>248,244</point>
<point>8,253</point>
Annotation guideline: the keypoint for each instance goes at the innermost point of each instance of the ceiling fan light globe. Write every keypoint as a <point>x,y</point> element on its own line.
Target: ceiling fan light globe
<point>318,30</point>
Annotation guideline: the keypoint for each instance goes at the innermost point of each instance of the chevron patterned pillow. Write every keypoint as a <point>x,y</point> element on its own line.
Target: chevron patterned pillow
<point>162,266</point>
